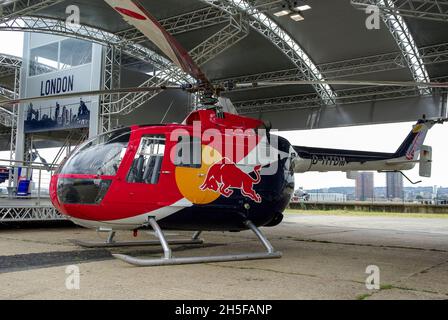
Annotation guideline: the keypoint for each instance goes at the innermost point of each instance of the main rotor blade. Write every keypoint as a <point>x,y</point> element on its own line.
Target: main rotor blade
<point>345,82</point>
<point>91,93</point>
<point>136,15</point>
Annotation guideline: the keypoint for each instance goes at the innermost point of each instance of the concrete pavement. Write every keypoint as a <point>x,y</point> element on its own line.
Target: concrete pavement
<point>324,257</point>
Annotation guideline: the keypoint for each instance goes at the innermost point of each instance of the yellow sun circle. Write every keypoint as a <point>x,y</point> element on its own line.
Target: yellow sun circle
<point>189,180</point>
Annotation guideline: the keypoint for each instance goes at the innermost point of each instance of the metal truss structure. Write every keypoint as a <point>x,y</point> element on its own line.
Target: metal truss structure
<point>352,67</point>
<point>217,13</point>
<point>127,103</point>
<point>10,66</point>
<point>58,27</point>
<point>170,72</point>
<point>346,96</point>
<point>400,31</point>
<point>167,71</point>
<point>436,10</point>
<point>6,93</point>
<point>110,80</point>
<point>261,6</point>
<point>6,116</point>
<point>190,21</point>
<point>124,45</point>
<point>235,30</point>
<point>280,38</point>
<point>125,42</point>
<point>12,9</point>
<point>229,35</point>
<point>29,213</point>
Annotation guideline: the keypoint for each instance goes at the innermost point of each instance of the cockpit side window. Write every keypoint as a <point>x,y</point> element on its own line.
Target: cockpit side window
<point>188,152</point>
<point>147,163</point>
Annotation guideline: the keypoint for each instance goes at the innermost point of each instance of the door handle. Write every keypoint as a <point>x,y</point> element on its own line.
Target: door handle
<point>166,172</point>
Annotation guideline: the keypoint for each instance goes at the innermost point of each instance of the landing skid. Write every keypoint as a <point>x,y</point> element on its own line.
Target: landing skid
<point>168,259</point>
<point>111,243</point>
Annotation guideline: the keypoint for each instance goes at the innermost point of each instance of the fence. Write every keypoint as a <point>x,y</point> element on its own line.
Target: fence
<point>39,175</point>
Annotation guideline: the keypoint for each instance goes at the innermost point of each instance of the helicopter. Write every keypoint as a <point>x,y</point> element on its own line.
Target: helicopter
<point>215,171</point>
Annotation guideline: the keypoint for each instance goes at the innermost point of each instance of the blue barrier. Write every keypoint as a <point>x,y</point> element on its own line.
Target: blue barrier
<point>23,188</point>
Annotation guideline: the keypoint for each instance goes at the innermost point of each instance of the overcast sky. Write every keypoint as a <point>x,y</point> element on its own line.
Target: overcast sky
<point>385,138</point>
<point>11,43</point>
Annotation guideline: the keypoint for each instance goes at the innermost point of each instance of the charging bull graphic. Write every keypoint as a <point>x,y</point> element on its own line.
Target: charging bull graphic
<point>223,176</point>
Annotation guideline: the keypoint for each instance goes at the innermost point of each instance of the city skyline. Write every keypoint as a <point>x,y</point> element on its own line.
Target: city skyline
<point>364,186</point>
<point>394,185</point>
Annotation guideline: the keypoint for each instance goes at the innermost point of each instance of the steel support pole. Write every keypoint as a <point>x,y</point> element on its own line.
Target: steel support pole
<point>110,237</point>
<point>159,233</point>
<point>260,236</point>
<point>196,235</point>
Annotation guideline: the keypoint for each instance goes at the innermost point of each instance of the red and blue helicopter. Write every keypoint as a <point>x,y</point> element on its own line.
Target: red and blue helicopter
<point>216,171</point>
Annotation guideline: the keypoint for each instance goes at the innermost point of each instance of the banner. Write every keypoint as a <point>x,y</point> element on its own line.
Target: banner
<point>58,65</point>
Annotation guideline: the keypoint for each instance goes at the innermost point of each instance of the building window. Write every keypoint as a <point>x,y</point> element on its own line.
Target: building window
<point>74,53</point>
<point>44,59</point>
<point>61,55</point>
<point>147,164</point>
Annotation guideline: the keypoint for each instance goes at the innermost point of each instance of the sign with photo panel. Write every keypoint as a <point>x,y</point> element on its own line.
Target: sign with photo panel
<point>59,65</point>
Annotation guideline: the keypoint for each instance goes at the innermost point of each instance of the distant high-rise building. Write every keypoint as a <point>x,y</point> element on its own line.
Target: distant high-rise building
<point>394,185</point>
<point>364,186</point>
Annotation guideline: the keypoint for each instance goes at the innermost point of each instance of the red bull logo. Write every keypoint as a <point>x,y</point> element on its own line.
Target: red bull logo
<point>224,176</point>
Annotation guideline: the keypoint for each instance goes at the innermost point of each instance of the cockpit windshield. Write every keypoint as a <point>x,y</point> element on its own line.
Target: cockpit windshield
<point>99,156</point>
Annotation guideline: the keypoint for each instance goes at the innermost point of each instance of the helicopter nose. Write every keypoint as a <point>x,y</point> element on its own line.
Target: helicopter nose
<point>53,193</point>
<point>70,195</point>
<point>81,190</point>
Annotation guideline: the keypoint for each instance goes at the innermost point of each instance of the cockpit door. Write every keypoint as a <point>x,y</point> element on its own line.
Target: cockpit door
<point>145,180</point>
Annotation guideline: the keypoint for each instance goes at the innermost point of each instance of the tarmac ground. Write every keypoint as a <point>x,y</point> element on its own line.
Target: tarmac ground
<point>324,257</point>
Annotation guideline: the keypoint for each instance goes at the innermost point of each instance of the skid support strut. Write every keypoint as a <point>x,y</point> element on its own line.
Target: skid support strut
<point>111,243</point>
<point>168,259</point>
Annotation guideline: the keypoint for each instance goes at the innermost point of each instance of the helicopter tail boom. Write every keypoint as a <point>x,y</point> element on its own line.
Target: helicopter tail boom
<point>410,152</point>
